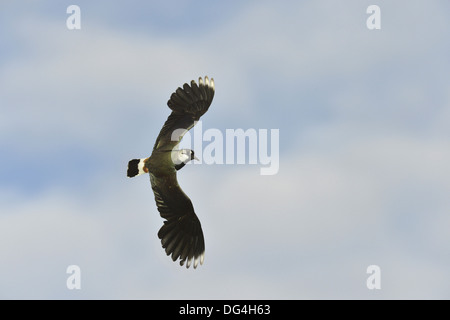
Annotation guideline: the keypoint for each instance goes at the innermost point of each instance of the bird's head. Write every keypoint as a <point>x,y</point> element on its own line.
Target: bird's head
<point>183,157</point>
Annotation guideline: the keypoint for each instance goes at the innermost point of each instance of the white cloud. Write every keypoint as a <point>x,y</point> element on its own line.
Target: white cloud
<point>320,222</point>
<point>350,191</point>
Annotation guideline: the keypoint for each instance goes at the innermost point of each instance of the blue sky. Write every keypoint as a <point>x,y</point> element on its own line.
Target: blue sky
<point>364,148</point>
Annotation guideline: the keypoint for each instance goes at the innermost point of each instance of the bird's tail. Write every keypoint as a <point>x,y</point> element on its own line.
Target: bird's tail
<point>136,167</point>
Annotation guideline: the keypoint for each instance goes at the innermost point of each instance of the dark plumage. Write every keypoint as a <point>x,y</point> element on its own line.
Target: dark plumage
<point>181,235</point>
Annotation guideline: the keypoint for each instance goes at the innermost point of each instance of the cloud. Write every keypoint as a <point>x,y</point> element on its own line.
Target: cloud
<point>327,220</point>
<point>363,173</point>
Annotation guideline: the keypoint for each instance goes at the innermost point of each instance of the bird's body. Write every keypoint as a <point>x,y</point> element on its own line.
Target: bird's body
<point>181,235</point>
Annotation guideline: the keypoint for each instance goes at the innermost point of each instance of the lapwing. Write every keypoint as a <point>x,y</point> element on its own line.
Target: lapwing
<point>181,234</point>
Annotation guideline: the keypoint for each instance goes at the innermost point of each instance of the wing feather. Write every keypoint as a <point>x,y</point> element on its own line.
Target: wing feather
<point>181,234</point>
<point>188,104</point>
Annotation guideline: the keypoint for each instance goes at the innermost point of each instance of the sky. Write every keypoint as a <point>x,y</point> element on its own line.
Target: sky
<point>364,148</point>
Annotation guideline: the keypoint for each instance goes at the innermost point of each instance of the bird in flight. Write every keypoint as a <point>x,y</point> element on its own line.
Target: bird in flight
<point>181,234</point>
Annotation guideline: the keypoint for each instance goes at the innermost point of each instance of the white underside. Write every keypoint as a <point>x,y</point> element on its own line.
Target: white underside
<point>141,165</point>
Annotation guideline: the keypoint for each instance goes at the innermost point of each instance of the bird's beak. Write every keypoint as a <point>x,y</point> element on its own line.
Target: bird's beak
<point>195,158</point>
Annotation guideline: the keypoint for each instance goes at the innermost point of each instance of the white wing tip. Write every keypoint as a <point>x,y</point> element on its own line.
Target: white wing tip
<point>198,259</point>
<point>207,82</point>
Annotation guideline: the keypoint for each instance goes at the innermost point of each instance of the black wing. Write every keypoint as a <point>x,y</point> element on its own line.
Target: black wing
<point>181,235</point>
<point>188,104</point>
